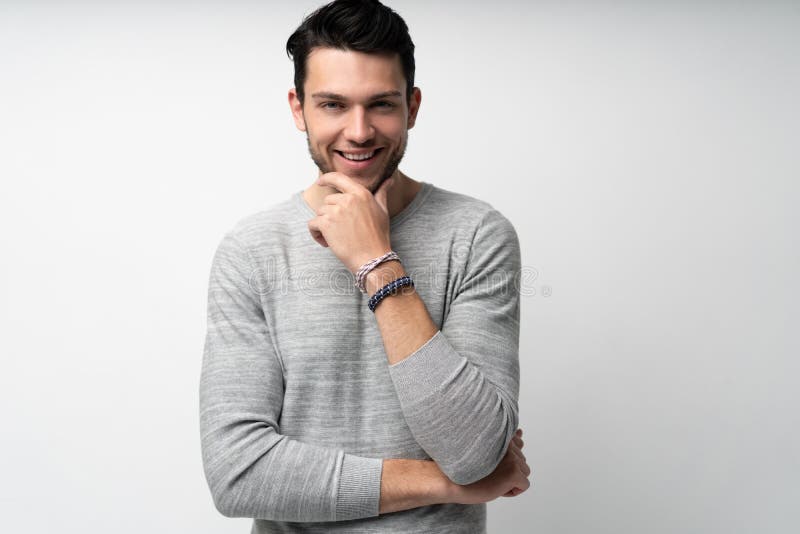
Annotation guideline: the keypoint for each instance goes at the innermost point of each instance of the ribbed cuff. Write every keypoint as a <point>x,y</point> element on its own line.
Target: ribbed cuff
<point>359,488</point>
<point>426,370</point>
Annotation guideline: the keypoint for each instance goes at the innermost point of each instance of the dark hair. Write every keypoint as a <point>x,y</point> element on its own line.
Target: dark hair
<point>361,25</point>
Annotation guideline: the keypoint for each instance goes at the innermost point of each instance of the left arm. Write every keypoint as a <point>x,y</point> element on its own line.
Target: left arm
<point>458,387</point>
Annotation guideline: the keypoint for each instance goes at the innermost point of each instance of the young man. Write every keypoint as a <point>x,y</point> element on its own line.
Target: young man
<point>393,408</point>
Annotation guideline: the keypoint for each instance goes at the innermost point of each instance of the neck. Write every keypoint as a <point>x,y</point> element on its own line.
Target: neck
<point>400,194</point>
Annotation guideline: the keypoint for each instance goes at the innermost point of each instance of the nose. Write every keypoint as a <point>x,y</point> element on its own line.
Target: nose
<point>359,130</point>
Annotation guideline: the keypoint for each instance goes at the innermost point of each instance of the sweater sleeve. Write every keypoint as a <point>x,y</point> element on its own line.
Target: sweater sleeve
<point>251,469</point>
<point>459,392</point>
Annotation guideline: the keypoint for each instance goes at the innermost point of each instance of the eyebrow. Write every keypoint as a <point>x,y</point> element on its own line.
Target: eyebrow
<point>336,96</point>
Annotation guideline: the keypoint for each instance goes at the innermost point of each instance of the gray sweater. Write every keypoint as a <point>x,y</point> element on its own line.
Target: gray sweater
<point>298,404</point>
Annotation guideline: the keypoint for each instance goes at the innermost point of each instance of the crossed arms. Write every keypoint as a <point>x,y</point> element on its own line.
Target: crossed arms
<point>457,388</point>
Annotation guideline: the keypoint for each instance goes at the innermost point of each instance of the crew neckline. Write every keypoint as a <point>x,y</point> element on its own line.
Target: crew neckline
<point>398,218</point>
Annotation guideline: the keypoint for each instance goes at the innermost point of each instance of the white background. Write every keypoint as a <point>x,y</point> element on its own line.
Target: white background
<point>645,152</point>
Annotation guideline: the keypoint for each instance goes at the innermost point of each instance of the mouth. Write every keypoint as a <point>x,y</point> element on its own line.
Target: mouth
<point>358,159</point>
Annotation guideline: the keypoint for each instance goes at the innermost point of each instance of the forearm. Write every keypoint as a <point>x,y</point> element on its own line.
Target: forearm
<point>407,484</point>
<point>459,417</point>
<point>437,386</point>
<point>403,319</point>
<point>255,472</point>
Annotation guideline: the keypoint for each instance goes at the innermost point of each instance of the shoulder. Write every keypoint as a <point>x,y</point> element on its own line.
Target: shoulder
<point>469,214</point>
<point>273,226</point>
<point>452,202</point>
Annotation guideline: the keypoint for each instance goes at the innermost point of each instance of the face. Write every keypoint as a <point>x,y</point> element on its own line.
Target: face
<point>355,114</point>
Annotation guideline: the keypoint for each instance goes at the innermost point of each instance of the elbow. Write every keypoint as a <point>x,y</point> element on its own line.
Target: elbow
<point>465,474</point>
<point>234,496</point>
<point>230,465</point>
<point>225,493</point>
<point>482,458</point>
<point>226,504</point>
<point>474,465</point>
<point>232,493</point>
<point>224,509</point>
<point>228,488</point>
<point>229,502</point>
<point>234,471</point>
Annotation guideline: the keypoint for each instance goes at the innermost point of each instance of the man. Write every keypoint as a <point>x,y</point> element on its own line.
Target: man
<point>392,409</point>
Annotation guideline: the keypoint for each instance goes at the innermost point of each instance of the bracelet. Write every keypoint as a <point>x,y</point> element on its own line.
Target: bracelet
<point>389,289</point>
<point>361,275</point>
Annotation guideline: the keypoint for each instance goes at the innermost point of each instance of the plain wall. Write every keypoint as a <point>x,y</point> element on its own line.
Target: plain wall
<point>646,153</point>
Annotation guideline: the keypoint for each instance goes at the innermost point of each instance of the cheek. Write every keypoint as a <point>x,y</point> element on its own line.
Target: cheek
<point>322,132</point>
<point>393,130</point>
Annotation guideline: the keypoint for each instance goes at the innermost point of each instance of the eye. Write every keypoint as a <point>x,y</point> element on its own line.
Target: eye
<point>331,105</point>
<point>383,104</point>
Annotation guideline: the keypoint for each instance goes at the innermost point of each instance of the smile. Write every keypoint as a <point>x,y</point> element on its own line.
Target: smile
<point>358,156</point>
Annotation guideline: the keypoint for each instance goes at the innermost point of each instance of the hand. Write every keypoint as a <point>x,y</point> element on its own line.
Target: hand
<point>509,479</point>
<point>353,223</point>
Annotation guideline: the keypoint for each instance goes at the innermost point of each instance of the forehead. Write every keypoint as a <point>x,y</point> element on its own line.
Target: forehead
<point>352,73</point>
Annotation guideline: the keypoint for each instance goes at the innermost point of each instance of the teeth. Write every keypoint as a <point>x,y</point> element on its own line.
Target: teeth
<point>358,157</point>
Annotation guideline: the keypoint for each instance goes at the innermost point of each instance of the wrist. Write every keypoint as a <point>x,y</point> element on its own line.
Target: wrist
<point>407,484</point>
<point>444,490</point>
<point>383,274</point>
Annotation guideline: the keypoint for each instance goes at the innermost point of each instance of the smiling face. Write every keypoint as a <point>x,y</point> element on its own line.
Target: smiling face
<point>355,113</point>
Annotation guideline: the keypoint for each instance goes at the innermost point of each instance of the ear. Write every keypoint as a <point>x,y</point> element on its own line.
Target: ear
<point>297,110</point>
<point>413,106</point>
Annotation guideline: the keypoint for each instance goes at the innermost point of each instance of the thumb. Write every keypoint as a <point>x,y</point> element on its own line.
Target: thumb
<point>382,193</point>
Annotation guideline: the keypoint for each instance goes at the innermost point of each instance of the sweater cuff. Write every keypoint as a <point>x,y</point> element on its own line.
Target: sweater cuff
<point>427,370</point>
<point>359,488</point>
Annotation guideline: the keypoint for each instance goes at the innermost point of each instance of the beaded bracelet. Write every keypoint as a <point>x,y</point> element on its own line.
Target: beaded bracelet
<point>361,275</point>
<point>389,289</point>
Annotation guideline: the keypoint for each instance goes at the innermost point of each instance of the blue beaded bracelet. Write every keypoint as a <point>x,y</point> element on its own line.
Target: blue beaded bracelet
<point>389,289</point>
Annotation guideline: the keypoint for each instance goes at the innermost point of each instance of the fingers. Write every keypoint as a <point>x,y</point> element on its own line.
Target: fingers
<point>519,453</point>
<point>516,448</point>
<point>523,471</point>
<point>525,468</point>
<point>335,198</point>
<point>516,439</point>
<point>339,181</point>
<point>316,233</point>
<point>522,460</point>
<point>513,492</point>
<point>319,238</point>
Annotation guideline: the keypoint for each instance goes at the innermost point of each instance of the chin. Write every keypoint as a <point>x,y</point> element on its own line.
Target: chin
<point>366,180</point>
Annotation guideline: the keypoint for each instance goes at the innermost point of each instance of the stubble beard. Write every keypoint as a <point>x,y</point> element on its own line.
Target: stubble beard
<point>388,170</point>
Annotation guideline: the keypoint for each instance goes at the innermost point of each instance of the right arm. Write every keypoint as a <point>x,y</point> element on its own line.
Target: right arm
<point>252,469</point>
